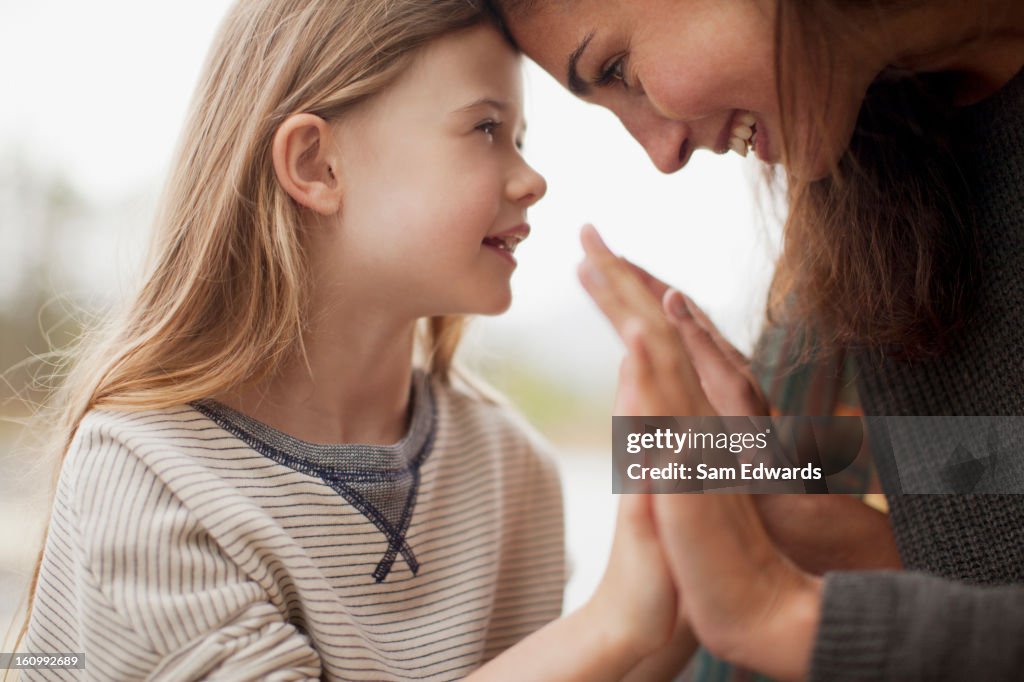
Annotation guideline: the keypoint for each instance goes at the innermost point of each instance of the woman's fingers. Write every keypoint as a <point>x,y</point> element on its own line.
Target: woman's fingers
<point>729,387</point>
<point>745,601</point>
<point>738,359</point>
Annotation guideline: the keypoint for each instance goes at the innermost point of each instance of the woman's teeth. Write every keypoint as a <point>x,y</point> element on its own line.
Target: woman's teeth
<point>744,134</point>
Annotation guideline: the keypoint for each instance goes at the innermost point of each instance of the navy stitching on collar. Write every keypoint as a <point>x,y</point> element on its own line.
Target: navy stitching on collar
<point>341,481</point>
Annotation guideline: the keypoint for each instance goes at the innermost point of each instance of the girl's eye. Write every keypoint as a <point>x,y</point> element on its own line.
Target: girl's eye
<point>616,71</point>
<point>488,127</point>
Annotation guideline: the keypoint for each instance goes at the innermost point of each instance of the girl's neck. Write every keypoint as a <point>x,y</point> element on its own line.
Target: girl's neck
<point>352,386</point>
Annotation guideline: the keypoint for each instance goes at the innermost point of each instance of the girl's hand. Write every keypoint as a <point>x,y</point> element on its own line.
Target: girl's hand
<point>633,613</point>
<point>636,601</point>
<point>696,368</point>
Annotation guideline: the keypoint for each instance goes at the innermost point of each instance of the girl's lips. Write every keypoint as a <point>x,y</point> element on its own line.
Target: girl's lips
<point>502,252</point>
<point>506,241</point>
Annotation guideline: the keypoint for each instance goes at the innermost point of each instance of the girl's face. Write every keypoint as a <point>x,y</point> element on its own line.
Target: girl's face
<point>435,189</point>
<point>681,75</point>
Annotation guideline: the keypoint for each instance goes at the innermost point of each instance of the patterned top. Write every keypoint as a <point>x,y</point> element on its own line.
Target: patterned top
<point>194,542</point>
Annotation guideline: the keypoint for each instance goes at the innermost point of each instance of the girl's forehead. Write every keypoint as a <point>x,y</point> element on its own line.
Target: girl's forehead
<point>464,67</point>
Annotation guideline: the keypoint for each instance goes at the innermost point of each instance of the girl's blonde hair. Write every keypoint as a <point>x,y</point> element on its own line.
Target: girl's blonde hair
<point>224,295</point>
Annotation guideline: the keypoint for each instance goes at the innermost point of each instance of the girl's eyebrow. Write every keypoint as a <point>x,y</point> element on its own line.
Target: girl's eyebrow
<point>484,102</point>
<point>577,85</point>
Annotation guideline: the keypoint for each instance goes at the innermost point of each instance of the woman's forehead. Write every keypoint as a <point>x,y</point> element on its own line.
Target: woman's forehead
<point>553,32</point>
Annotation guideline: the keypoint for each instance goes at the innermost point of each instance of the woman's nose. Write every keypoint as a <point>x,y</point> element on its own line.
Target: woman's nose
<point>664,139</point>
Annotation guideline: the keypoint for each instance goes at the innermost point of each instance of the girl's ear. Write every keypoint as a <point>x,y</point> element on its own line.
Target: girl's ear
<point>304,164</point>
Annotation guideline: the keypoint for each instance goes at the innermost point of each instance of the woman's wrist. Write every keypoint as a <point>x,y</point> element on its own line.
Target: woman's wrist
<point>783,648</point>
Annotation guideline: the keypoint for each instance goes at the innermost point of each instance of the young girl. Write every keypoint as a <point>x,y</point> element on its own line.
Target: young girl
<point>260,482</point>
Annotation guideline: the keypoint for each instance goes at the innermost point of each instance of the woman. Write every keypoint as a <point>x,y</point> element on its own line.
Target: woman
<point>897,125</point>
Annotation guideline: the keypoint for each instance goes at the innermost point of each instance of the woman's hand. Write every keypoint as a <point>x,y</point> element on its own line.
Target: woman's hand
<point>821,533</point>
<point>742,597</point>
<point>746,602</point>
<point>817,532</point>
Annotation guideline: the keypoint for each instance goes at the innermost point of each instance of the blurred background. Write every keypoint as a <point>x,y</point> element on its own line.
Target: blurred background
<point>94,97</point>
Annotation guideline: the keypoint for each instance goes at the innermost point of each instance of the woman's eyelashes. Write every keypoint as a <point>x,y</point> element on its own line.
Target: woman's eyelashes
<point>614,72</point>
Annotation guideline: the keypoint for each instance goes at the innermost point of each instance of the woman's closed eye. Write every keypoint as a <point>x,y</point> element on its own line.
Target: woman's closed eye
<point>615,71</point>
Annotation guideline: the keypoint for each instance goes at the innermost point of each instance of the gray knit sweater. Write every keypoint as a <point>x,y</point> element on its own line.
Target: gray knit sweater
<point>957,612</point>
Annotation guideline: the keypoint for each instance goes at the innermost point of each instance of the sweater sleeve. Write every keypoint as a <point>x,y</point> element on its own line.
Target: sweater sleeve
<point>151,592</point>
<point>909,626</point>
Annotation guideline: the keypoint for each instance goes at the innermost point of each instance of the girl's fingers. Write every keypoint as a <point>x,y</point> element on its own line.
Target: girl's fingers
<point>636,308</point>
<point>626,301</point>
<point>637,385</point>
<point>592,242</point>
<point>728,388</point>
<point>627,402</point>
<point>665,383</point>
<point>653,284</point>
<point>594,245</point>
<point>616,290</point>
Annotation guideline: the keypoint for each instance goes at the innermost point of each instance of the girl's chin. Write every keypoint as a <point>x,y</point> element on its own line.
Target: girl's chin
<point>493,303</point>
<point>497,306</point>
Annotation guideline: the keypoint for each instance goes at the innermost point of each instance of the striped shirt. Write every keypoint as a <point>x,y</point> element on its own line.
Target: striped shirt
<point>193,542</point>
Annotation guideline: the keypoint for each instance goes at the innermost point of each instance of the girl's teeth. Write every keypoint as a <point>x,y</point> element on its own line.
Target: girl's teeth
<point>505,244</point>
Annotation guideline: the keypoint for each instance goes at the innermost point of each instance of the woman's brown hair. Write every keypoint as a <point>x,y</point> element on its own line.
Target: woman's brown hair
<point>878,254</point>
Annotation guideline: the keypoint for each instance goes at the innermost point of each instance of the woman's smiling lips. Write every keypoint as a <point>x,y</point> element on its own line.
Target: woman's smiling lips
<point>504,243</point>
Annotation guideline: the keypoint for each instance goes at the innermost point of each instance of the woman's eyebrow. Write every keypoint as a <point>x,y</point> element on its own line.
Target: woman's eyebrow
<point>578,86</point>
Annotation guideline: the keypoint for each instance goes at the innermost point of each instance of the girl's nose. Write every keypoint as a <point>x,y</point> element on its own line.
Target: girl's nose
<point>527,186</point>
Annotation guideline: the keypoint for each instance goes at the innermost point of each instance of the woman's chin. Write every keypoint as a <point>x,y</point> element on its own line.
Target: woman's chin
<point>818,167</point>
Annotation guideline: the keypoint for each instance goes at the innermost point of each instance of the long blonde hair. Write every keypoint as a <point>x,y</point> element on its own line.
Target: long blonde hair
<point>224,295</point>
